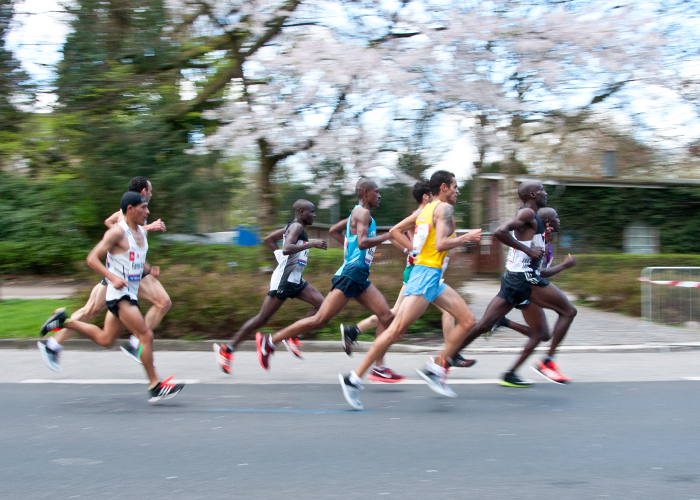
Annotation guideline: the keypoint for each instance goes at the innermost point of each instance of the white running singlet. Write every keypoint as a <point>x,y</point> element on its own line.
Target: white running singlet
<point>127,266</point>
<point>519,262</point>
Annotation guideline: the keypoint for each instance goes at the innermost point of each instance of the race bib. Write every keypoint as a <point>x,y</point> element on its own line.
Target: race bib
<point>444,266</point>
<point>303,257</point>
<point>369,256</point>
<point>420,235</point>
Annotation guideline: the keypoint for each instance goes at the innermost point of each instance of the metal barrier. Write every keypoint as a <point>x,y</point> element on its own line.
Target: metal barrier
<point>671,295</point>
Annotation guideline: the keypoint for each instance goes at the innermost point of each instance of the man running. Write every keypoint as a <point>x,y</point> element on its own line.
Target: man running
<point>349,333</point>
<point>351,281</point>
<point>433,239</point>
<point>286,282</point>
<point>125,247</point>
<point>537,329</point>
<point>150,289</point>
<point>522,282</point>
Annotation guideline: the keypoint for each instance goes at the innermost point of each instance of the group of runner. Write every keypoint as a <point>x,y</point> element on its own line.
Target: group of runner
<point>426,236</point>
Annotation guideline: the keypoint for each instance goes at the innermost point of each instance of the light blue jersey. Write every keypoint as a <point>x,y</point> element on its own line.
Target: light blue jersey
<point>357,262</point>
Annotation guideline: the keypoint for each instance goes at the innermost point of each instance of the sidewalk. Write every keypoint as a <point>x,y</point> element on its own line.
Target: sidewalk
<point>592,330</point>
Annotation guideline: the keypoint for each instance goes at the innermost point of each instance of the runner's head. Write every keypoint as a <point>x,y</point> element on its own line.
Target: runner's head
<point>140,184</point>
<point>533,191</point>
<point>550,217</point>
<point>134,207</point>
<point>421,192</point>
<point>444,186</point>
<point>304,212</point>
<point>368,191</point>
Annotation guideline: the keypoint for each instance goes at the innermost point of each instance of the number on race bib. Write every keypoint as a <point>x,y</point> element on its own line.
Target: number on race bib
<point>419,237</point>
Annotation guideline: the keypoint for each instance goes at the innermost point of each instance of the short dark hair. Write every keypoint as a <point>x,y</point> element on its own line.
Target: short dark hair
<point>421,188</point>
<point>138,184</point>
<point>439,178</point>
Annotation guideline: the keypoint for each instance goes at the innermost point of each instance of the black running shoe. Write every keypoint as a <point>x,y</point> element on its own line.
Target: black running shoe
<point>132,352</point>
<point>165,389</point>
<point>510,379</point>
<point>461,362</point>
<point>348,336</point>
<point>49,356</point>
<point>55,322</point>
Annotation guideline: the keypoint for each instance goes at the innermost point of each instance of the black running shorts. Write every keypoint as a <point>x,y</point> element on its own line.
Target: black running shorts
<point>517,287</point>
<point>289,291</point>
<point>113,305</point>
<point>350,288</point>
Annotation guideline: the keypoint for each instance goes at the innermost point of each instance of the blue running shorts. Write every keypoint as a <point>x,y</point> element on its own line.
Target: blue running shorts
<point>425,281</point>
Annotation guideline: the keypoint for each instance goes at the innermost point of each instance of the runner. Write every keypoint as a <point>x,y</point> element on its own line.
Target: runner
<point>522,282</point>
<point>125,247</point>
<point>149,289</point>
<point>433,239</point>
<point>286,282</point>
<point>537,329</point>
<point>351,281</point>
<point>349,334</point>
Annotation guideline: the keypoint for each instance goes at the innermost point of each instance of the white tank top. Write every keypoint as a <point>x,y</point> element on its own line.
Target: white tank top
<point>519,262</point>
<point>128,266</point>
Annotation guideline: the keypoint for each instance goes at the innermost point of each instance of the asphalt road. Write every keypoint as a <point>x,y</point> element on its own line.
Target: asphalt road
<point>80,438</point>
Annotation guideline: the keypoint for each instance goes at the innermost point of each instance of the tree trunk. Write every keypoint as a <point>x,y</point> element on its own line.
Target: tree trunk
<point>266,214</point>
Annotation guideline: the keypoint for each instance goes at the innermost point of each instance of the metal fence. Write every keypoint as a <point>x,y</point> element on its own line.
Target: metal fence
<point>670,295</point>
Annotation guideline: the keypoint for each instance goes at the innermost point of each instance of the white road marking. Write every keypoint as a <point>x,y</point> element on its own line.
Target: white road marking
<point>103,381</point>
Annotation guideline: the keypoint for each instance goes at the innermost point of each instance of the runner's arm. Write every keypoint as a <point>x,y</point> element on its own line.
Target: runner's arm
<point>94,259</point>
<point>336,231</point>
<point>445,225</point>
<point>293,233</point>
<point>520,221</point>
<point>406,225</point>
<point>551,271</point>
<point>113,219</point>
<point>158,225</point>
<point>272,239</point>
<point>363,221</point>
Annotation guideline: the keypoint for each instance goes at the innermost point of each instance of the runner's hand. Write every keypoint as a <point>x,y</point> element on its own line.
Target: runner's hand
<point>570,262</point>
<point>319,244</point>
<point>155,271</point>
<point>118,283</point>
<point>535,253</point>
<point>472,236</point>
<point>158,225</point>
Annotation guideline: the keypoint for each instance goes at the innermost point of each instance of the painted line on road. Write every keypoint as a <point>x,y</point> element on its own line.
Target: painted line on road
<point>457,381</point>
<point>284,410</point>
<point>695,379</point>
<point>104,381</point>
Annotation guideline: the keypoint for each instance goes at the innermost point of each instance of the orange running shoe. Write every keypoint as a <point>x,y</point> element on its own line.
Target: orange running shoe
<point>550,370</point>
<point>293,345</point>
<point>224,356</point>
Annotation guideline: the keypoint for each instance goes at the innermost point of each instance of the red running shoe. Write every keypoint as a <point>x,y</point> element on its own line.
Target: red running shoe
<point>550,371</point>
<point>293,345</point>
<point>265,348</point>
<point>384,374</point>
<point>224,356</point>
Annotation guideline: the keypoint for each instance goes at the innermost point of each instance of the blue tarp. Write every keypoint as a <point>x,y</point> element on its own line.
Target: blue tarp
<point>246,236</point>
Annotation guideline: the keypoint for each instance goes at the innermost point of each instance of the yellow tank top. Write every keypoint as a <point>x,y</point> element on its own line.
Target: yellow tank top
<point>424,239</point>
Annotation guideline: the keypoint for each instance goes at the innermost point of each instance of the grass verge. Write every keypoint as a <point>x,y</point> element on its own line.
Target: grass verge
<point>22,318</point>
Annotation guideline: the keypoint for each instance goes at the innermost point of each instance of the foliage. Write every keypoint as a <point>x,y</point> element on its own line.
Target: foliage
<point>602,213</point>
<point>610,282</point>
<point>23,318</point>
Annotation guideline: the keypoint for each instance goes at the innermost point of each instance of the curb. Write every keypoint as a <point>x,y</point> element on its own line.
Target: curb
<point>334,346</point>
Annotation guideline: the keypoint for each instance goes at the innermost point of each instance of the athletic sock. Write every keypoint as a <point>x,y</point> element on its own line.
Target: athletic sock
<point>505,322</point>
<point>547,359</point>
<point>134,342</point>
<point>53,345</point>
<point>354,379</point>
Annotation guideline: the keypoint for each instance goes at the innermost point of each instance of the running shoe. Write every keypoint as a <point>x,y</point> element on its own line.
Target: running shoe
<point>503,322</point>
<point>224,356</point>
<point>461,362</point>
<point>510,379</point>
<point>351,392</point>
<point>49,356</point>
<point>132,352</point>
<point>165,389</point>
<point>348,335</point>
<point>384,374</point>
<point>55,322</point>
<point>550,370</point>
<point>437,383</point>
<point>293,345</point>
<point>265,348</point>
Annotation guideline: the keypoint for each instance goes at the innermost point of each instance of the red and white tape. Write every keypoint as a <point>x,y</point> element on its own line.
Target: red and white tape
<point>684,284</point>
